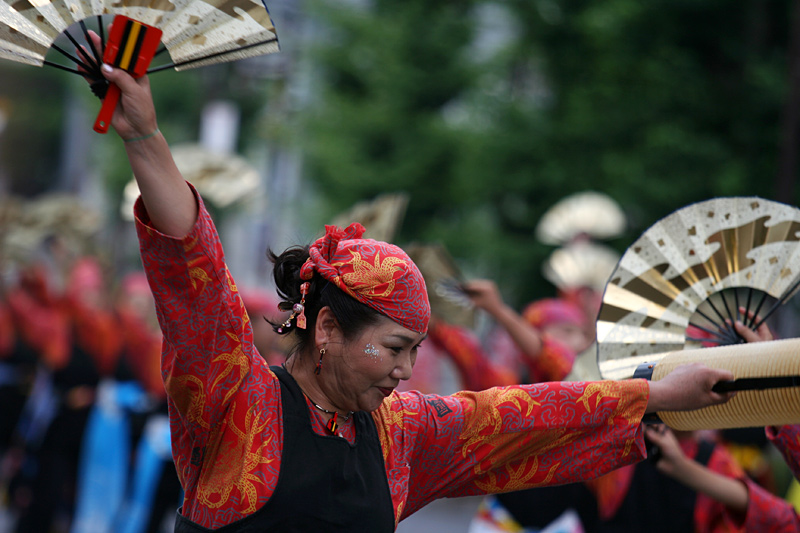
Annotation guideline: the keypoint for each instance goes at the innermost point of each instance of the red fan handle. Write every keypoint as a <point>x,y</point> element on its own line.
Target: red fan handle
<point>107,109</point>
<point>131,47</point>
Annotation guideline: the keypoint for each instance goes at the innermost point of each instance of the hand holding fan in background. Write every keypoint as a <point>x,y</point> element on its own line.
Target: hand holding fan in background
<point>682,283</point>
<point>678,293</point>
<point>448,297</point>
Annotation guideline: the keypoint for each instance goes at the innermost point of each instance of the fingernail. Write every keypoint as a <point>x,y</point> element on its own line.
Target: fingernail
<point>107,68</point>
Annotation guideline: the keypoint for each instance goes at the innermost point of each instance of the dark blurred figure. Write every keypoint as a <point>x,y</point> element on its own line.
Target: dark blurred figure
<point>127,480</point>
<point>75,337</point>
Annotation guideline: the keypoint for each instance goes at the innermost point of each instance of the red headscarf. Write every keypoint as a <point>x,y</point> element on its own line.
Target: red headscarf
<point>375,273</point>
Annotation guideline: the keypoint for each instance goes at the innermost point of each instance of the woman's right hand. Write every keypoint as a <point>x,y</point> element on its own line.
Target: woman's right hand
<point>135,114</point>
<point>484,294</point>
<point>170,203</point>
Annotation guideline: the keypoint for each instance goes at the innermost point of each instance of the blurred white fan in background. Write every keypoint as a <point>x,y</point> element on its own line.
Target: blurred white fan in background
<point>26,224</point>
<point>381,216</point>
<point>580,264</point>
<point>221,178</point>
<point>587,213</point>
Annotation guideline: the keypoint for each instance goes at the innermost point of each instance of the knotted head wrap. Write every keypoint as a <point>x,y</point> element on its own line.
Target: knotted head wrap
<point>378,274</point>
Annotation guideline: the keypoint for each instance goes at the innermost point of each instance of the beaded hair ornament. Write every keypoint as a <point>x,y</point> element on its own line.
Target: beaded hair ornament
<point>298,310</point>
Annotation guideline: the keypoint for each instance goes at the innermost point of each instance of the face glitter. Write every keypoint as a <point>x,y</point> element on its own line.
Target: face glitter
<point>372,352</point>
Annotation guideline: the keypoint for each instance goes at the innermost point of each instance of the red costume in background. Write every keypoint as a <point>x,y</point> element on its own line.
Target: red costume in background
<point>765,511</point>
<point>478,372</point>
<point>787,440</point>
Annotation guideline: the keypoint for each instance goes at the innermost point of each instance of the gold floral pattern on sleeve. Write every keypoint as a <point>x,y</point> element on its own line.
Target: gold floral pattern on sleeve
<point>232,461</point>
<point>189,396</point>
<point>198,277</point>
<point>519,477</point>
<point>389,420</point>
<point>234,358</point>
<point>490,423</point>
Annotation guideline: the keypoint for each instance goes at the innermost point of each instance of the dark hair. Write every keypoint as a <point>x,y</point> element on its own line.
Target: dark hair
<point>352,315</point>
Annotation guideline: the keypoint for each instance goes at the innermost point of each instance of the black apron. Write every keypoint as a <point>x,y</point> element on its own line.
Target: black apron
<point>325,483</point>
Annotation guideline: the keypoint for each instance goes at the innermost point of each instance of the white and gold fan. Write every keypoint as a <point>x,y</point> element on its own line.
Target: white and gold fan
<point>381,216</point>
<point>195,32</point>
<point>679,288</point>
<point>220,178</point>
<point>588,213</point>
<point>683,282</point>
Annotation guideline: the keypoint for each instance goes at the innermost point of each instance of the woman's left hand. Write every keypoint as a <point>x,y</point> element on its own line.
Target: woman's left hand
<point>688,387</point>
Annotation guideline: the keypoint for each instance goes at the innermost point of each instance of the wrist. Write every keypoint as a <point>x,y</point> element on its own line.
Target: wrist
<point>146,136</point>
<point>685,468</point>
<point>653,397</point>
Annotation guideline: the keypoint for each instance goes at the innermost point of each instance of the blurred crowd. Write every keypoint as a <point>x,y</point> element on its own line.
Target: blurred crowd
<point>84,433</point>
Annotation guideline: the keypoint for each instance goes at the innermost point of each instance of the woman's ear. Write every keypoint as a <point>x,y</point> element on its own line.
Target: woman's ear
<point>327,329</point>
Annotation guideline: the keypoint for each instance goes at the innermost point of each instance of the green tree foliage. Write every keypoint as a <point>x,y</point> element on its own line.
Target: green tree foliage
<point>389,71</point>
<point>658,104</point>
<point>33,100</point>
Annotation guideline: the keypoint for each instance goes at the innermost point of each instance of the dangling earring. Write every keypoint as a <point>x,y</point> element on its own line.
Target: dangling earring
<point>319,363</point>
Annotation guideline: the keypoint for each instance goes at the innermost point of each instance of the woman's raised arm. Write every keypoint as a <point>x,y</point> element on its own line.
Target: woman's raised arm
<point>169,201</point>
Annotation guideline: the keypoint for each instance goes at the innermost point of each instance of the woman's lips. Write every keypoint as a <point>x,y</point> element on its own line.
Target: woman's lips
<point>386,391</point>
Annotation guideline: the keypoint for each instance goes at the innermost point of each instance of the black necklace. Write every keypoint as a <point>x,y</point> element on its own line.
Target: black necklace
<point>333,423</point>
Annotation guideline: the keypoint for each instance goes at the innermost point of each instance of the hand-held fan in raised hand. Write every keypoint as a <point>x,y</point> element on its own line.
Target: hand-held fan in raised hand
<point>194,32</point>
<point>679,288</point>
<point>131,46</point>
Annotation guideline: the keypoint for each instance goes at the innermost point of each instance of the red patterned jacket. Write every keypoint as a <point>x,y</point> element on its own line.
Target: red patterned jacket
<point>225,407</point>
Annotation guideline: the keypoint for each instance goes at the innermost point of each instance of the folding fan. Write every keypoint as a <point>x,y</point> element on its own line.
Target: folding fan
<point>221,178</point>
<point>587,213</point>
<point>381,216</point>
<point>682,283</point>
<point>443,279</point>
<point>195,32</point>
<point>26,224</point>
<point>580,264</point>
